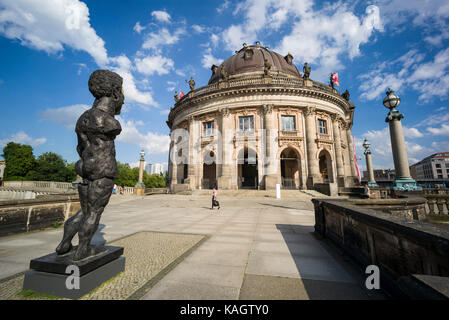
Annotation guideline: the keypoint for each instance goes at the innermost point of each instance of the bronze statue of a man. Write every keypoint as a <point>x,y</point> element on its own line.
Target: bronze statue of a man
<point>306,70</point>
<point>96,130</point>
<point>191,83</point>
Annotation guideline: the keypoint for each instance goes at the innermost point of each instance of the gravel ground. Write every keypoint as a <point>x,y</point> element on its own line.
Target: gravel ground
<point>147,254</point>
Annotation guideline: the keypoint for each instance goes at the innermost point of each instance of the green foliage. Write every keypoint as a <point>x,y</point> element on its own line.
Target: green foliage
<point>51,167</point>
<point>19,160</point>
<point>128,177</point>
<point>22,165</point>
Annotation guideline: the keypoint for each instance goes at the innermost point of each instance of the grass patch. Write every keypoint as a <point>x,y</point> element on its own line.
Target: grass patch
<point>30,294</point>
<point>56,224</point>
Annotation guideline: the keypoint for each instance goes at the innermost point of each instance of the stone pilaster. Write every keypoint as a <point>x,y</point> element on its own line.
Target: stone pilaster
<point>351,155</point>
<point>271,174</point>
<point>174,166</point>
<point>194,137</point>
<point>312,160</point>
<point>225,180</point>
<point>338,151</point>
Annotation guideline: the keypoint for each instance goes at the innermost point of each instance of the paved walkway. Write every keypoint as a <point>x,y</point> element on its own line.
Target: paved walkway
<point>259,248</point>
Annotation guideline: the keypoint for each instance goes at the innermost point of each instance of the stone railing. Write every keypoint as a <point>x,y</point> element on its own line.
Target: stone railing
<point>399,247</point>
<point>437,203</point>
<point>14,194</point>
<point>18,216</point>
<point>37,185</point>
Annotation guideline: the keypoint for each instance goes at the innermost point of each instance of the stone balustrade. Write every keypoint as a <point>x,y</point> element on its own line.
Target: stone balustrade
<point>37,185</point>
<point>398,246</point>
<point>437,203</point>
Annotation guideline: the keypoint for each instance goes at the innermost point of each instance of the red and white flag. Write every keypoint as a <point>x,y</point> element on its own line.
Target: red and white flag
<point>181,95</point>
<point>335,78</point>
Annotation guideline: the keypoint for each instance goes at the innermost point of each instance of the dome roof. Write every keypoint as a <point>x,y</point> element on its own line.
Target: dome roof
<point>252,59</point>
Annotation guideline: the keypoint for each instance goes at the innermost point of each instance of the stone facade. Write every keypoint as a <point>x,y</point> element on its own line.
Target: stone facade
<point>256,128</point>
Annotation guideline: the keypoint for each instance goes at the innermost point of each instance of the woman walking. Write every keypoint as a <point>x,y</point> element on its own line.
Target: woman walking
<point>215,203</point>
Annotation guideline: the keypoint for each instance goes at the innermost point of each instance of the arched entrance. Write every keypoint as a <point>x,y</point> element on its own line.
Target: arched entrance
<point>209,170</point>
<point>247,169</point>
<point>290,169</point>
<point>325,163</point>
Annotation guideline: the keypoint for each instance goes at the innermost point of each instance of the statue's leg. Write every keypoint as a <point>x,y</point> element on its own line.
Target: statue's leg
<point>99,192</point>
<point>72,224</point>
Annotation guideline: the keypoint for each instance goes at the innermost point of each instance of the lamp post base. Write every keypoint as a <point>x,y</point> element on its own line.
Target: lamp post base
<point>406,184</point>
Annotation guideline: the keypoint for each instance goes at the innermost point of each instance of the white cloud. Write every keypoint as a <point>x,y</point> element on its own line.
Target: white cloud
<point>66,116</point>
<point>208,59</point>
<point>138,28</point>
<point>23,138</point>
<point>442,131</point>
<point>198,28</point>
<point>154,64</point>
<point>50,25</point>
<point>122,65</point>
<point>163,37</point>
<point>319,37</point>
<point>171,86</point>
<point>412,133</point>
<point>223,6</point>
<point>153,143</point>
<point>430,79</point>
<point>161,16</point>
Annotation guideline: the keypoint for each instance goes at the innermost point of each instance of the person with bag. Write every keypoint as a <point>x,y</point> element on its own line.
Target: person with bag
<point>215,202</point>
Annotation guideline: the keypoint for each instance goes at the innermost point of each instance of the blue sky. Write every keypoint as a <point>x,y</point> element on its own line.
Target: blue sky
<point>49,48</point>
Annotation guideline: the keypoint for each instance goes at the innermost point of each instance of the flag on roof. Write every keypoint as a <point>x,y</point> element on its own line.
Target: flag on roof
<point>181,95</point>
<point>335,78</point>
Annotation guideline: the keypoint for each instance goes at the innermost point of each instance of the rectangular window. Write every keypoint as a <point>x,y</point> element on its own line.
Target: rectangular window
<point>440,176</point>
<point>288,123</point>
<point>322,127</point>
<point>246,123</point>
<point>208,128</point>
<point>447,165</point>
<point>438,165</point>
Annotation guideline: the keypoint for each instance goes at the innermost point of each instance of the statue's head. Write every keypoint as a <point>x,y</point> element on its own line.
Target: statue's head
<point>105,83</point>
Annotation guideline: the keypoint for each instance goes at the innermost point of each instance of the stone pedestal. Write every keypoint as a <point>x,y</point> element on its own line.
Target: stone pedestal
<point>50,274</point>
<point>271,180</point>
<point>139,191</point>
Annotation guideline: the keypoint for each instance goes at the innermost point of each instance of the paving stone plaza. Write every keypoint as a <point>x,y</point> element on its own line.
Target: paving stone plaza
<point>176,247</point>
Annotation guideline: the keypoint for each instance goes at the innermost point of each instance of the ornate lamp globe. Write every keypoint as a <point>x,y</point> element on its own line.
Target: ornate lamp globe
<point>391,101</point>
<point>366,144</point>
<point>142,154</point>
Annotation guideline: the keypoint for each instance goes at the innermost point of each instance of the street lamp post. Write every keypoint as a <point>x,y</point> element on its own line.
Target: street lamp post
<point>139,188</point>
<point>403,180</point>
<point>369,164</point>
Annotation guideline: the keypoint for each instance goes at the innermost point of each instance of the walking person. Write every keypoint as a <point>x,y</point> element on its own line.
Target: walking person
<point>215,203</point>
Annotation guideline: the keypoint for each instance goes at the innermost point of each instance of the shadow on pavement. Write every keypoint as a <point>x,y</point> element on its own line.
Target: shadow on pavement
<point>325,273</point>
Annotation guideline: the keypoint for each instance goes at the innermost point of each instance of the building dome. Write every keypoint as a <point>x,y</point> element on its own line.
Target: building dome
<point>251,59</point>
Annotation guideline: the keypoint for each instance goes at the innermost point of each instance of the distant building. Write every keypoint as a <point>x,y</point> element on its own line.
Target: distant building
<point>154,168</point>
<point>434,167</point>
<point>381,175</point>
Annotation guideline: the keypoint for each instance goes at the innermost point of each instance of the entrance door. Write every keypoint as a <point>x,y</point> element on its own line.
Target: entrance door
<point>289,169</point>
<point>209,171</point>
<point>248,172</point>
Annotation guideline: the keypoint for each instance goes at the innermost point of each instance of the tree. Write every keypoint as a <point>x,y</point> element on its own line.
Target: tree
<point>51,167</point>
<point>19,160</point>
<point>128,176</point>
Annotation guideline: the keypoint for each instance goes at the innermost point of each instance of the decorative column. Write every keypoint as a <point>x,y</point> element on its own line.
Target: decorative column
<point>225,180</point>
<point>355,178</point>
<point>191,180</point>
<point>174,166</point>
<point>369,164</point>
<point>403,179</point>
<point>312,160</point>
<point>338,153</point>
<point>271,174</point>
<point>139,188</point>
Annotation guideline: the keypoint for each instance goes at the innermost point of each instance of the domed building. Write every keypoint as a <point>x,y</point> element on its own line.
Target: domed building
<point>259,122</point>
